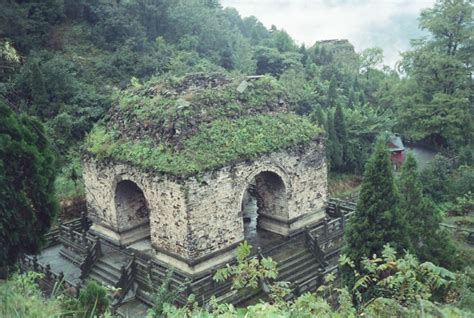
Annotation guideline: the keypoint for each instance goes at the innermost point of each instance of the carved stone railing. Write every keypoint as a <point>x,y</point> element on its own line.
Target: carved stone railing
<point>336,208</point>
<point>325,240</point>
<point>49,281</point>
<point>93,252</point>
<point>125,283</point>
<point>81,224</point>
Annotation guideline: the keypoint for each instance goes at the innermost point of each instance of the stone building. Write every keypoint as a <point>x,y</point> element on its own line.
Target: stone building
<point>193,221</point>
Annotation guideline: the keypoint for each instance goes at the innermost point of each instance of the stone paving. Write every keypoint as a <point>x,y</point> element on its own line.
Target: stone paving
<point>59,264</point>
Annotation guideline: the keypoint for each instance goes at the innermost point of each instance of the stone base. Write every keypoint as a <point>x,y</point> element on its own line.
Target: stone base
<point>273,224</point>
<point>200,267</point>
<point>121,238</point>
<point>287,227</point>
<point>306,220</point>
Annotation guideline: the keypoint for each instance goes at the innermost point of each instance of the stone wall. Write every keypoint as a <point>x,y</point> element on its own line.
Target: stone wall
<point>167,221</point>
<point>215,199</point>
<point>196,222</point>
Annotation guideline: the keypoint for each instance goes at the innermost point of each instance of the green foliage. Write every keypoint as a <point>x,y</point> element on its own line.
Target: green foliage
<point>377,219</point>
<point>164,295</point>
<point>69,183</point>
<point>214,145</point>
<point>404,280</point>
<point>94,299</point>
<point>427,241</point>
<point>436,179</point>
<point>437,106</point>
<point>28,203</point>
<point>250,273</point>
<point>20,297</point>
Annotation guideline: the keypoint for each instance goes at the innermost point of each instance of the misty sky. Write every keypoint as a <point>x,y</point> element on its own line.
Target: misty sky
<point>389,24</point>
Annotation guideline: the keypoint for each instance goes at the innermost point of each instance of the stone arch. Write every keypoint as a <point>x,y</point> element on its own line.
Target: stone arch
<point>269,187</point>
<point>270,191</point>
<point>132,210</point>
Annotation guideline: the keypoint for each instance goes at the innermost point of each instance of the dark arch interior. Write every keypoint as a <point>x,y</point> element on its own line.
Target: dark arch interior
<point>130,202</point>
<point>264,195</point>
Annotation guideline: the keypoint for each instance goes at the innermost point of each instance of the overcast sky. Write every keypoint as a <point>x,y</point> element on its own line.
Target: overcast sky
<point>389,24</point>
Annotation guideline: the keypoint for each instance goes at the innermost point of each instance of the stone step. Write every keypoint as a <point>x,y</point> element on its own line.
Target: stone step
<point>105,276</point>
<point>286,251</point>
<point>294,259</point>
<point>72,256</point>
<point>304,273</point>
<point>301,265</point>
<point>100,279</point>
<point>105,264</point>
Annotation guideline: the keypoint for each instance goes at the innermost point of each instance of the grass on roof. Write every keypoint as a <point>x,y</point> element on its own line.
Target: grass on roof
<point>216,144</point>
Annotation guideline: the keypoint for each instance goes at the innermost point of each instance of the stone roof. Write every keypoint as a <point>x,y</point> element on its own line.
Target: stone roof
<point>198,122</point>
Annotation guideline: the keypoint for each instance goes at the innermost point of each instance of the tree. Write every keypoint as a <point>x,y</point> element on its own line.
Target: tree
<point>376,220</point>
<point>437,105</point>
<point>334,151</point>
<point>332,92</point>
<point>341,134</point>
<point>27,201</point>
<point>369,59</point>
<point>39,95</point>
<point>426,239</point>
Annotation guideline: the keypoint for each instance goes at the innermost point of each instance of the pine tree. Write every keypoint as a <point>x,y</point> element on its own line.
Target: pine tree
<point>376,220</point>
<point>334,151</point>
<point>426,240</point>
<point>39,95</point>
<point>351,99</point>
<point>341,134</point>
<point>332,92</point>
<point>27,201</point>
<point>317,116</point>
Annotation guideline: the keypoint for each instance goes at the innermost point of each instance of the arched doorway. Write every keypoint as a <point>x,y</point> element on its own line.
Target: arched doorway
<point>264,200</point>
<point>132,211</point>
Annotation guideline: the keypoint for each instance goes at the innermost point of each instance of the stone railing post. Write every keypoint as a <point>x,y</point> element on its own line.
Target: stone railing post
<point>83,222</point>
<point>149,268</point>
<point>78,289</point>
<point>48,272</point>
<point>35,263</point>
<point>325,227</point>
<point>60,228</point>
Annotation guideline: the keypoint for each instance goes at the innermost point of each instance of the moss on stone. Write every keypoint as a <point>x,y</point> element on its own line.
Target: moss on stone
<point>183,129</point>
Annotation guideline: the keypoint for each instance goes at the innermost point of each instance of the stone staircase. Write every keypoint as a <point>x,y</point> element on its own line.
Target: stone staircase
<point>300,267</point>
<point>297,264</point>
<point>106,272</point>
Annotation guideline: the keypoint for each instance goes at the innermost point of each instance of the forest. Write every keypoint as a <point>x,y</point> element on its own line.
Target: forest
<point>67,65</point>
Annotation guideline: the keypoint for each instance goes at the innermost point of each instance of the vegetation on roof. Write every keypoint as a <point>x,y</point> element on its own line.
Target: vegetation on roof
<point>215,144</point>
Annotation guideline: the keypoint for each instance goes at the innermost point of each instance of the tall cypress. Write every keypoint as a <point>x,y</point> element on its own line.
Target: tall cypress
<point>332,92</point>
<point>334,151</point>
<point>341,134</point>
<point>376,220</point>
<point>317,117</point>
<point>39,95</point>
<point>427,241</point>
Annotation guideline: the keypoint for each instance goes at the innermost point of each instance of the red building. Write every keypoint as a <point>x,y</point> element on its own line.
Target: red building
<point>395,146</point>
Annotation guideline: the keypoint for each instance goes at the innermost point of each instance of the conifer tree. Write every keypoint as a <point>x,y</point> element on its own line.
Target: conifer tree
<point>334,151</point>
<point>39,95</point>
<point>426,240</point>
<point>317,117</point>
<point>27,201</point>
<point>341,134</point>
<point>332,92</point>
<point>351,99</point>
<point>376,220</point>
